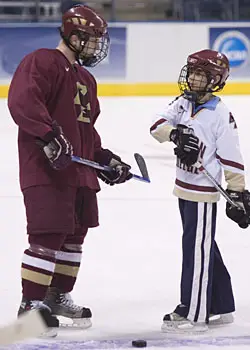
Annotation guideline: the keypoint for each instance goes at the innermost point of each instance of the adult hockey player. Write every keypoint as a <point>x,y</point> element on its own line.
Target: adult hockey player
<point>53,100</point>
<point>203,129</point>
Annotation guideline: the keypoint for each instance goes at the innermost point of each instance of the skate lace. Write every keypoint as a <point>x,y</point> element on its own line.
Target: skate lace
<point>66,300</point>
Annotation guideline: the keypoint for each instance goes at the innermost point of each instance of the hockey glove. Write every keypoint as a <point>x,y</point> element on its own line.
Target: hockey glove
<point>57,148</point>
<point>119,174</point>
<point>240,216</point>
<point>187,149</point>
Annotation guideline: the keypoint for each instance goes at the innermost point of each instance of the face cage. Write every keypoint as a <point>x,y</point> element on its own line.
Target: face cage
<point>195,95</point>
<point>101,45</point>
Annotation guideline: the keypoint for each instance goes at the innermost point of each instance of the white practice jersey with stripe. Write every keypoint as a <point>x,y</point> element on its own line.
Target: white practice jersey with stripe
<point>216,129</point>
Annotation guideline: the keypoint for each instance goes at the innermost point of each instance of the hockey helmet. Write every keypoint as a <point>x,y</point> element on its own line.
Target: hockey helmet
<point>91,30</point>
<point>212,65</point>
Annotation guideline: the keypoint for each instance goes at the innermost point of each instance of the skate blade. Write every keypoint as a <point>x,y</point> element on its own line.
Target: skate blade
<point>74,323</point>
<point>183,327</point>
<point>50,333</point>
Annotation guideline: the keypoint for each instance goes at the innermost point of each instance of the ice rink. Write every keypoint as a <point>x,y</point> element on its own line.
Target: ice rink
<point>131,265</point>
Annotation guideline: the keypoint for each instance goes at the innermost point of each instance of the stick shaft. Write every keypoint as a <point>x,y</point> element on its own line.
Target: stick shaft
<point>96,165</point>
<point>216,184</point>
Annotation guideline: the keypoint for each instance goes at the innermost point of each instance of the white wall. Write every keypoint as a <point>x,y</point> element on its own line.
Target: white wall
<point>157,51</point>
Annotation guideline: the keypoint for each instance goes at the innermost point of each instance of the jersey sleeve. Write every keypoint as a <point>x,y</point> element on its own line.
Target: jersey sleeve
<point>229,154</point>
<point>30,91</point>
<point>165,122</point>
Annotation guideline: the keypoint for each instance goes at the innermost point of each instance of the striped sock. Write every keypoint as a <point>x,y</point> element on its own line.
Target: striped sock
<point>66,269</point>
<point>37,272</point>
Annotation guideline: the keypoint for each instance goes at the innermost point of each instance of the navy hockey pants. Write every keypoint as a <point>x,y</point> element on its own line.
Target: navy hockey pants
<point>205,282</point>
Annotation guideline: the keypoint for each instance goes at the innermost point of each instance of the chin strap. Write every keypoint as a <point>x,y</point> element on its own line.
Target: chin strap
<point>197,97</point>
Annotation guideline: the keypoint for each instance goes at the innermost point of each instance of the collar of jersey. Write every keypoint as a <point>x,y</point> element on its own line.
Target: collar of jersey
<point>211,104</point>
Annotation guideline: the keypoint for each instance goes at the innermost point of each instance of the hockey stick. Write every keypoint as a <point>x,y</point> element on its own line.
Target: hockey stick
<point>139,160</point>
<point>30,325</point>
<point>221,190</point>
<point>142,165</point>
<point>216,184</point>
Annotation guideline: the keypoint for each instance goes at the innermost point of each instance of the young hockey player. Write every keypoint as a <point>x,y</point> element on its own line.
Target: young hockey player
<point>203,129</point>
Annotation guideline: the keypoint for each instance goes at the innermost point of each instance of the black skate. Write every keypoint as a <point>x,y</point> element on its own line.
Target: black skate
<point>50,321</point>
<point>61,304</point>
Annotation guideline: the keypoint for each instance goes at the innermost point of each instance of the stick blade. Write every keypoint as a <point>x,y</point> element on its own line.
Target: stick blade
<point>29,325</point>
<point>142,166</point>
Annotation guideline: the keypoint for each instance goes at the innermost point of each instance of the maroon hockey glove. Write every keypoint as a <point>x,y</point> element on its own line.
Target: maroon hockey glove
<point>119,174</point>
<point>240,216</point>
<point>187,144</point>
<point>57,148</point>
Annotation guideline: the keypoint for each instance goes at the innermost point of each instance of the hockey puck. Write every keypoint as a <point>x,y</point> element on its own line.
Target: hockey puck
<point>139,343</point>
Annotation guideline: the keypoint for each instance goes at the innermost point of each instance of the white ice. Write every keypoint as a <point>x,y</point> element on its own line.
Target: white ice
<point>131,265</point>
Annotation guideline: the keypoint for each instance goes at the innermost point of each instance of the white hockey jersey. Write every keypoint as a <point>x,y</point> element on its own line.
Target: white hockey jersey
<point>216,129</point>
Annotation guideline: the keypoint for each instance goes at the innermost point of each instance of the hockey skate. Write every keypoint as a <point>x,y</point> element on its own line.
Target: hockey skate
<point>62,305</point>
<point>174,323</point>
<point>50,321</point>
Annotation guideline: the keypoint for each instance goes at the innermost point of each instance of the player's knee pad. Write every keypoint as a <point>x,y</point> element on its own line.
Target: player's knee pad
<point>52,241</point>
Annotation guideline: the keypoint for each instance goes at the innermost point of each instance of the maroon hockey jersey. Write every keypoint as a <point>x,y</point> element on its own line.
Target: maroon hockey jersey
<point>46,87</point>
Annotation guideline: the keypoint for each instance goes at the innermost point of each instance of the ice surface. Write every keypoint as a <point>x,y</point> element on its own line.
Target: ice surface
<point>131,265</point>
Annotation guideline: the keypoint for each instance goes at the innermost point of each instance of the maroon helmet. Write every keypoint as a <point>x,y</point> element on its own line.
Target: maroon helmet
<point>91,30</point>
<point>215,68</point>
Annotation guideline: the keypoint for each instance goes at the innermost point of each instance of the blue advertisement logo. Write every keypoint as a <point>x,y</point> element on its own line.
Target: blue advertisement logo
<point>235,44</point>
<point>15,43</point>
